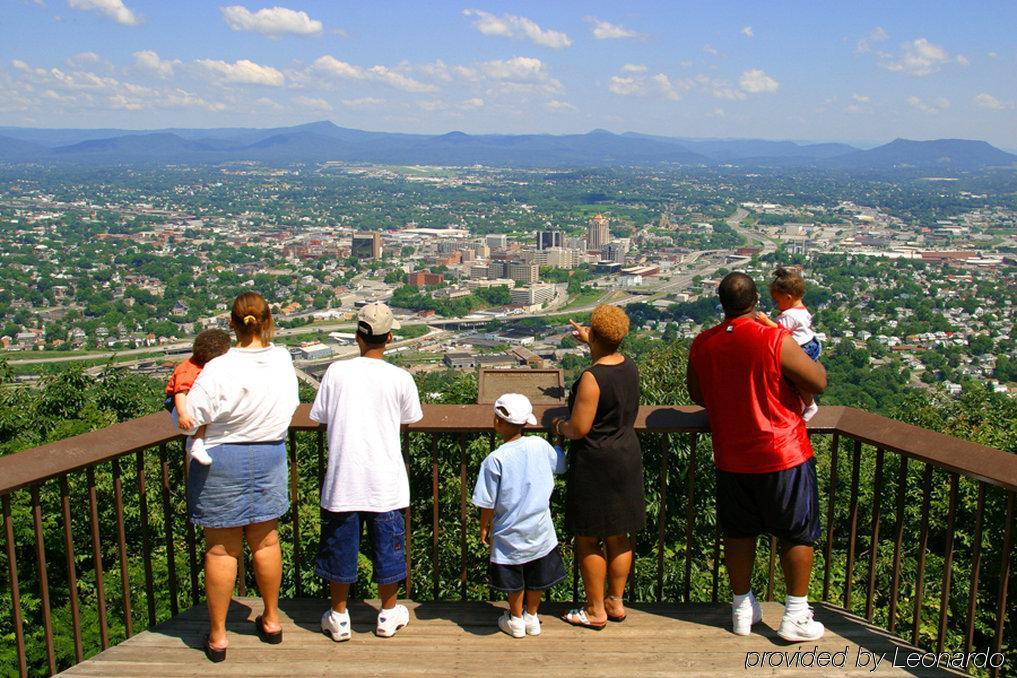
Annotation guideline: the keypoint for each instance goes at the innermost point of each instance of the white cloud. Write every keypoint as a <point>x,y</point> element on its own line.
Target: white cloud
<point>918,57</point>
<point>747,31</point>
<point>861,98</point>
<point>113,9</point>
<point>876,35</point>
<point>330,66</point>
<point>755,81</point>
<point>963,60</point>
<point>985,100</point>
<point>268,103</point>
<point>475,102</point>
<point>711,50</point>
<point>243,72</point>
<point>634,68</point>
<point>605,30</point>
<point>624,86</point>
<point>557,106</point>
<point>930,107</point>
<point>314,103</point>
<point>271,21</point>
<point>363,102</point>
<point>83,58</point>
<point>520,69</point>
<point>718,88</point>
<point>147,60</point>
<point>519,27</point>
<point>658,85</point>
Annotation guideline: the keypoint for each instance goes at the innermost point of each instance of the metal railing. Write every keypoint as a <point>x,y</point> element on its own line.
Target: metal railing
<point>75,492</point>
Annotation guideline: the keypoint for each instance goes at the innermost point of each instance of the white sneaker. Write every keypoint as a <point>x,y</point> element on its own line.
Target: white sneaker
<point>198,452</point>
<point>391,620</point>
<point>743,618</point>
<point>532,623</point>
<point>336,625</point>
<point>514,626</point>
<point>810,411</point>
<point>800,628</point>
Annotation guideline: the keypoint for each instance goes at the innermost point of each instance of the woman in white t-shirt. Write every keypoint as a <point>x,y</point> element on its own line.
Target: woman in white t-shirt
<point>246,399</point>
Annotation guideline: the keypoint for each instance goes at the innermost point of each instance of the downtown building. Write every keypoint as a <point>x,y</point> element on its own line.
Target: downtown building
<point>597,233</point>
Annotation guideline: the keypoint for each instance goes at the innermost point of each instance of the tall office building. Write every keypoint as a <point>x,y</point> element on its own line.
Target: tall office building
<point>497,241</point>
<point>597,233</point>
<point>548,239</point>
<point>523,272</point>
<point>613,251</point>
<point>366,245</point>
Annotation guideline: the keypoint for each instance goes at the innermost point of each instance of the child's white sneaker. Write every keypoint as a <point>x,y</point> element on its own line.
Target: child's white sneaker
<point>514,626</point>
<point>336,625</point>
<point>199,453</point>
<point>391,620</point>
<point>532,623</point>
<point>810,411</point>
<point>800,627</point>
<point>745,616</point>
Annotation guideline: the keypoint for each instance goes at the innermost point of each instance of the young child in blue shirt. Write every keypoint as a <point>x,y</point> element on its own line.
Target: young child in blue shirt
<point>514,492</point>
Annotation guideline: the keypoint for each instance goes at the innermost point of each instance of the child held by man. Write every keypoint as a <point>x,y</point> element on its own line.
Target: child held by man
<point>513,492</point>
<point>207,345</point>
<point>787,290</point>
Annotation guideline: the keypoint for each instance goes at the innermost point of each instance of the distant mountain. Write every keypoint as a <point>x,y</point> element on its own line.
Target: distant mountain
<point>955,154</point>
<point>323,141</point>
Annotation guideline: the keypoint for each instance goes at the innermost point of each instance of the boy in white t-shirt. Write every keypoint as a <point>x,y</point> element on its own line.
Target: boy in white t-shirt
<point>363,402</point>
<point>513,492</point>
<point>787,290</point>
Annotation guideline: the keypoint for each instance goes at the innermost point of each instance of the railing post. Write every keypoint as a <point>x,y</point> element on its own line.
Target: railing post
<point>167,524</point>
<point>12,573</point>
<point>976,566</point>
<point>462,517</point>
<point>902,488</point>
<point>856,459</point>
<point>40,557</point>
<point>831,502</point>
<point>190,539</point>
<point>72,579</point>
<point>923,543</point>
<point>1004,575</point>
<point>662,516</point>
<point>944,601</point>
<point>877,496</point>
<point>690,516</point>
<point>146,545</point>
<point>125,584</point>
<point>295,505</point>
<point>407,515</point>
<point>100,584</point>
<point>435,575</point>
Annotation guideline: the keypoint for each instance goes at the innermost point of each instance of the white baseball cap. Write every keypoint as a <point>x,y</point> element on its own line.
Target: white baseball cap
<point>376,319</point>
<point>515,408</point>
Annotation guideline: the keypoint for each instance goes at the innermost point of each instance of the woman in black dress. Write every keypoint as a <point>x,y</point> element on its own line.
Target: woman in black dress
<point>605,499</point>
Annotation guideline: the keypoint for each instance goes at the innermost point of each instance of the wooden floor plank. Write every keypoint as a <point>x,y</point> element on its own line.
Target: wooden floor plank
<point>463,639</point>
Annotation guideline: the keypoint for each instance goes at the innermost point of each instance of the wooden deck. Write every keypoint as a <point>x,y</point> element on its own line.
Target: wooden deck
<point>463,639</point>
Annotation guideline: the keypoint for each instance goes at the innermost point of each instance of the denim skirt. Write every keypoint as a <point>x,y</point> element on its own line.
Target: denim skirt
<point>246,483</point>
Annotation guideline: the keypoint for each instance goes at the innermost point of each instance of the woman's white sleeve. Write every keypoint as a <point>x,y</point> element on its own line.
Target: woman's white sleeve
<point>203,402</point>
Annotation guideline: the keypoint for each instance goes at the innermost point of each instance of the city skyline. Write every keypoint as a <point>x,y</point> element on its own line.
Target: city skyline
<point>863,74</point>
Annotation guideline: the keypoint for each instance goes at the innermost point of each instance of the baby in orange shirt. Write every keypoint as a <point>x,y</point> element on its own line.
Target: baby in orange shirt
<point>207,345</point>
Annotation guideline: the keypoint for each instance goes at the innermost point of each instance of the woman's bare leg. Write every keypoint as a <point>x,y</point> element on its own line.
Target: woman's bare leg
<point>223,546</point>
<point>619,564</point>
<point>267,558</point>
<point>593,566</point>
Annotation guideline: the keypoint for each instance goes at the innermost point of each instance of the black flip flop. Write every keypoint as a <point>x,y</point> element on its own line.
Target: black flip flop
<point>213,654</point>
<point>265,636</point>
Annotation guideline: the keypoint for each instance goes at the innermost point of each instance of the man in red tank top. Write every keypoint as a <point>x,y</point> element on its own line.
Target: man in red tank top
<point>746,374</point>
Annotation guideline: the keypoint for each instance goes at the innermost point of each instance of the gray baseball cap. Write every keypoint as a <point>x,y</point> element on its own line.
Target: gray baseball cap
<point>376,319</point>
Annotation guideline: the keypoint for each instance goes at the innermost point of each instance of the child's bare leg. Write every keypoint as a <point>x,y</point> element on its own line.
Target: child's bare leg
<point>533,601</point>
<point>515,601</point>
<point>198,451</point>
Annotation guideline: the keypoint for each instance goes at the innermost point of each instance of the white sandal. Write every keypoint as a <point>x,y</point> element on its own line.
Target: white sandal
<point>577,617</point>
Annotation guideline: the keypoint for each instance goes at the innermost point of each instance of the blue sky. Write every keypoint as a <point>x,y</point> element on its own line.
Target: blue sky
<point>863,72</point>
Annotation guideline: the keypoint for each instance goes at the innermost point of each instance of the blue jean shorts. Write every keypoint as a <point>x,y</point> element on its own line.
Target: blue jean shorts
<point>246,484</point>
<point>813,348</point>
<point>784,504</point>
<point>340,544</point>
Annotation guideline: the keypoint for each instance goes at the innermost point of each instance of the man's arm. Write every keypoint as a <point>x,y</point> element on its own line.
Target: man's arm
<point>804,372</point>
<point>486,516</point>
<point>692,384</point>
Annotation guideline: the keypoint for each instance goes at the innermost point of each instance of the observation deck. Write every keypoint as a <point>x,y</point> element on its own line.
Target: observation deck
<point>104,578</point>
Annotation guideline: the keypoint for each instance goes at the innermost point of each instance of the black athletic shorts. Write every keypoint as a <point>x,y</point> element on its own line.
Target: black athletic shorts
<point>536,575</point>
<point>784,504</point>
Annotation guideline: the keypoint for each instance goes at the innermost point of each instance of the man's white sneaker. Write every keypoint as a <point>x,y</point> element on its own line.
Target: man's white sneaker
<point>336,625</point>
<point>198,452</point>
<point>532,623</point>
<point>745,616</point>
<point>810,411</point>
<point>800,628</point>
<point>391,620</point>
<point>514,626</point>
